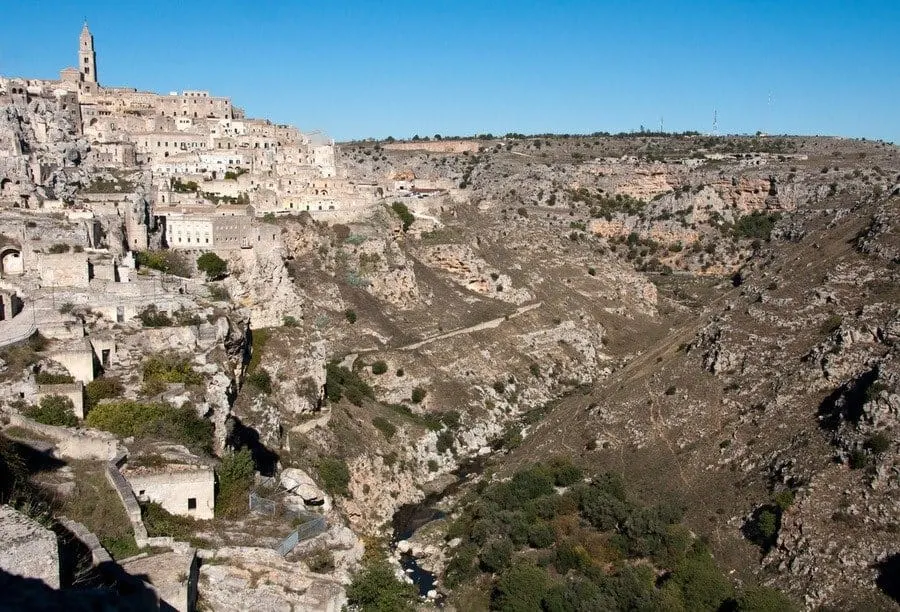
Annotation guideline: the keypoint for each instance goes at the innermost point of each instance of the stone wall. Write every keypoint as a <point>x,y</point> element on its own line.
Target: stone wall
<point>72,443</point>
<point>129,502</point>
<point>27,548</point>
<point>64,270</point>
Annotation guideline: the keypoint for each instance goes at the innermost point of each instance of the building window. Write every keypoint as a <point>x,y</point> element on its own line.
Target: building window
<point>141,492</point>
<point>192,503</point>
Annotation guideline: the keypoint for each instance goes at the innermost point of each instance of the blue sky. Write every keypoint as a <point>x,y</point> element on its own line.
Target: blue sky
<point>362,68</point>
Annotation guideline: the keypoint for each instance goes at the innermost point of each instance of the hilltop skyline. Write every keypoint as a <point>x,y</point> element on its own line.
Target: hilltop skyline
<point>356,72</point>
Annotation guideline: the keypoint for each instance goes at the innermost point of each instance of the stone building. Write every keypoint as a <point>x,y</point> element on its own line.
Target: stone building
<point>186,489</point>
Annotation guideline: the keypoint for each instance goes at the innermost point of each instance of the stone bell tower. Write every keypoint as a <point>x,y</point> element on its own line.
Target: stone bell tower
<point>87,59</point>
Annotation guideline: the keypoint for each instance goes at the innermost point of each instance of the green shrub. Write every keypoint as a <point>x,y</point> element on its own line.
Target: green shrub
<point>214,266</point>
<point>161,524</point>
<point>53,410</point>
<point>406,217</point>
<point>541,535</point>
<point>784,499</point>
<point>218,293</point>
<point>340,382</point>
<point>520,588</point>
<point>58,248</point>
<point>764,599</point>
<point>432,465</point>
<point>418,394</point>
<point>350,315</point>
<point>858,459</point>
<point>564,473</point>
<point>170,262</point>
<point>831,324</point>
<point>46,378</point>
<point>235,477</point>
<point>757,224</point>
<point>878,443</point>
<point>120,547</point>
<point>335,475</point>
<point>496,554</point>
<point>379,367</point>
<point>320,561</point>
<point>289,321</point>
<point>570,556</point>
<point>169,368</point>
<point>261,379</point>
<point>161,421</point>
<point>700,583</point>
<point>152,317</point>
<point>375,588</point>
<point>762,528</point>
<point>100,389</point>
<point>384,426</point>
<point>445,441</point>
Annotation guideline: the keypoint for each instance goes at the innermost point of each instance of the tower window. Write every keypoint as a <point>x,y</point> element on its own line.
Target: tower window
<point>192,503</point>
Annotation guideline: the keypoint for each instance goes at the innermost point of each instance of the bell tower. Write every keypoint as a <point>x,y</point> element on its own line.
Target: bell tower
<point>87,59</point>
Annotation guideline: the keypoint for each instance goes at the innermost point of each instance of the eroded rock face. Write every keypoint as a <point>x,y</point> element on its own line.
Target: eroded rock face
<point>466,268</point>
<point>259,579</point>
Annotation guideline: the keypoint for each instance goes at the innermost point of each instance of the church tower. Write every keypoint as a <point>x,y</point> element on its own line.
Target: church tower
<point>87,59</point>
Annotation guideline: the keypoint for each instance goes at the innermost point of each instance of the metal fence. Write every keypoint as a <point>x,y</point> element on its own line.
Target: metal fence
<point>312,525</point>
<point>305,531</point>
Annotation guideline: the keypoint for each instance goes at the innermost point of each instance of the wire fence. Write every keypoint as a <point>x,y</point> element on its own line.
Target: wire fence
<point>311,525</point>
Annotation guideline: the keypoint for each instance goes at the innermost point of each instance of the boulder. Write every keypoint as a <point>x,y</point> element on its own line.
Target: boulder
<point>300,483</point>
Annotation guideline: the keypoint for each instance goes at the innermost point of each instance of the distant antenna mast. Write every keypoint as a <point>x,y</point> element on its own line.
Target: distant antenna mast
<point>661,129</point>
<point>715,122</point>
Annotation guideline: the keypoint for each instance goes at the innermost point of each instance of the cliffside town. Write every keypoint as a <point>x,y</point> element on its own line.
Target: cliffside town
<point>245,367</point>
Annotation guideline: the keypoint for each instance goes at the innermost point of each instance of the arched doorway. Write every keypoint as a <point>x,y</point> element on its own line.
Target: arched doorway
<point>11,262</point>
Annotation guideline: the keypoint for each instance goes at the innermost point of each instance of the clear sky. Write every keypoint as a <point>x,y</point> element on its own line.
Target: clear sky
<point>367,68</point>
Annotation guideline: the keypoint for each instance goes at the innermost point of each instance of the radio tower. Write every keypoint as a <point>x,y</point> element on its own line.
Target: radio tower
<point>715,122</point>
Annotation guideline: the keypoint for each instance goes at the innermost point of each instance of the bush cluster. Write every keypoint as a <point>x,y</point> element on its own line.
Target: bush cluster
<point>588,548</point>
<point>376,588</point>
<point>757,225</point>
<point>334,474</point>
<point>169,368</point>
<point>342,382</point>
<point>406,217</point>
<point>144,420</point>
<point>46,378</point>
<point>384,426</point>
<point>100,389</point>
<point>235,476</point>
<point>261,379</point>
<point>170,262</point>
<point>151,316</point>
<point>379,367</point>
<point>53,410</point>
<point>212,265</point>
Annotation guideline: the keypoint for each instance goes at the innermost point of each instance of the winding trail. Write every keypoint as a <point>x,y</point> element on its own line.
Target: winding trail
<point>490,324</point>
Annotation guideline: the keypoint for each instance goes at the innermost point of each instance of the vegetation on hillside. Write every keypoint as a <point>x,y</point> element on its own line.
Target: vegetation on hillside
<point>170,262</point>
<point>590,547</point>
<point>53,410</point>
<point>212,265</point>
<point>161,421</point>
